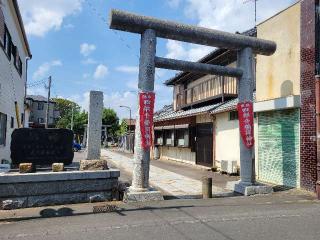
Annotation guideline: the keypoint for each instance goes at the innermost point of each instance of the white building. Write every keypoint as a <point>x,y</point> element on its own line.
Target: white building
<point>37,105</point>
<point>14,53</point>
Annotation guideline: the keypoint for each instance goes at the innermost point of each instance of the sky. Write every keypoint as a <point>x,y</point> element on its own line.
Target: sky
<point>71,41</point>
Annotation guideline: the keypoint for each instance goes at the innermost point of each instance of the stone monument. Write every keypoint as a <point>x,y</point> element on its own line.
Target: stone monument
<point>94,125</point>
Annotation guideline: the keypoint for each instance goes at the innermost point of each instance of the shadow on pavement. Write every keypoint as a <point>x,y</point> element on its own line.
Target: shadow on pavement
<point>107,208</point>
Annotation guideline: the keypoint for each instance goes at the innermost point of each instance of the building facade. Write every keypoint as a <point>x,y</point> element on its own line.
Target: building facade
<point>285,107</point>
<point>202,120</point>
<point>278,100</point>
<point>38,111</point>
<point>14,53</point>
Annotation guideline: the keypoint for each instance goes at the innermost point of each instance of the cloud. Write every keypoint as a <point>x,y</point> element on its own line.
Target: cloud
<point>89,61</point>
<point>100,72</point>
<point>229,16</point>
<point>174,3</point>
<point>191,52</point>
<point>37,91</point>
<point>175,50</point>
<point>86,49</point>
<point>86,75</point>
<point>68,26</point>
<point>44,69</point>
<point>127,98</point>
<point>128,69</point>
<point>43,16</point>
<point>111,100</point>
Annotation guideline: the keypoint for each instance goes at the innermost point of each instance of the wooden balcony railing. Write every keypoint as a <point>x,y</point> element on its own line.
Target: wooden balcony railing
<point>215,87</point>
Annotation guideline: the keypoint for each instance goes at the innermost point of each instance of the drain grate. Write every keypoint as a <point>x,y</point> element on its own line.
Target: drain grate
<point>104,208</point>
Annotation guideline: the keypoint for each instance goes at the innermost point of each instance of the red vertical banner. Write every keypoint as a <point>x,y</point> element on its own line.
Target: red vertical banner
<point>246,123</point>
<point>146,107</point>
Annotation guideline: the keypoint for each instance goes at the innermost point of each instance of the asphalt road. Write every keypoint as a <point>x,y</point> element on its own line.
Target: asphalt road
<point>262,218</point>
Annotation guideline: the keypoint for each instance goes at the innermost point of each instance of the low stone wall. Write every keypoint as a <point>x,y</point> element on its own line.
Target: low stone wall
<point>53,188</point>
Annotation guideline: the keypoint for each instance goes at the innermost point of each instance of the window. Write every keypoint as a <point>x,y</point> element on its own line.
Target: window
<point>40,120</point>
<point>169,137</point>
<point>233,115</point>
<point>2,28</point>
<point>19,66</point>
<point>7,43</point>
<point>3,128</point>
<point>17,60</point>
<point>40,105</point>
<point>12,122</point>
<point>22,119</point>
<point>182,137</point>
<point>158,137</point>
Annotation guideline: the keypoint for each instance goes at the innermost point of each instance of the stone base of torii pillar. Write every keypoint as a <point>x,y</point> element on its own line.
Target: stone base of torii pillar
<point>131,195</point>
<point>248,189</point>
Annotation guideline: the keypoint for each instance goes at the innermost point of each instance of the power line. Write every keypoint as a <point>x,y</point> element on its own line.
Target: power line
<point>104,20</point>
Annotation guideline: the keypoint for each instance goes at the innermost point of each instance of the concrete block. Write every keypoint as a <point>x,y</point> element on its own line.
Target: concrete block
<point>56,199</point>
<point>56,187</point>
<point>4,168</point>
<point>58,176</point>
<point>99,197</point>
<point>57,167</point>
<point>26,168</point>
<point>11,204</point>
<point>151,195</point>
<point>52,188</point>
<point>93,165</point>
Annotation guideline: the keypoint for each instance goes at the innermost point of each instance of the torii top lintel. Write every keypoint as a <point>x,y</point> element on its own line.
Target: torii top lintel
<point>129,22</point>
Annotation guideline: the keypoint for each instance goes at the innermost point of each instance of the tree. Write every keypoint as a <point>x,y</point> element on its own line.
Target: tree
<point>123,128</point>
<point>109,117</point>
<point>65,107</point>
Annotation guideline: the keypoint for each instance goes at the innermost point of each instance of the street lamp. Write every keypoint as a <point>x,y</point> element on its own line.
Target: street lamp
<point>127,107</point>
<point>72,116</point>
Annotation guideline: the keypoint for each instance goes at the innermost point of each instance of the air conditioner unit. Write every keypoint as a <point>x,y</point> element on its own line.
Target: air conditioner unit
<point>229,167</point>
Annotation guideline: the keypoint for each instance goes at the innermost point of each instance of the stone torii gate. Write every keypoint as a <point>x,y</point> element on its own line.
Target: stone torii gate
<point>151,28</point>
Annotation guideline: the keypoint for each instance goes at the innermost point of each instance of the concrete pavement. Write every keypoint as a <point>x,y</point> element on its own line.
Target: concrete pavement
<point>170,182</point>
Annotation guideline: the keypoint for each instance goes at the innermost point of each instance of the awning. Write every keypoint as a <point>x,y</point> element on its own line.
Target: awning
<point>181,126</point>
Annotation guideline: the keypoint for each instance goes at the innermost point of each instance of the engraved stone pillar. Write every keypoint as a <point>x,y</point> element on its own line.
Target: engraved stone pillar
<point>94,125</point>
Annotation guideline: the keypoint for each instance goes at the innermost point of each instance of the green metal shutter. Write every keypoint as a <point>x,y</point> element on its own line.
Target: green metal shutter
<point>279,147</point>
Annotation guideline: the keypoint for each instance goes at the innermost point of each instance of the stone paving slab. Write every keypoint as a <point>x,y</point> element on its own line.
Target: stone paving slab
<point>172,183</point>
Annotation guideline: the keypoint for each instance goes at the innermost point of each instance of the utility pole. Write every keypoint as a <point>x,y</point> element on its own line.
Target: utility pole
<point>72,118</point>
<point>127,107</point>
<point>255,10</point>
<point>48,103</point>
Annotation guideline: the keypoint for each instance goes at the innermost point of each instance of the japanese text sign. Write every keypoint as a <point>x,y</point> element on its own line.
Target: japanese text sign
<point>246,124</point>
<point>146,107</point>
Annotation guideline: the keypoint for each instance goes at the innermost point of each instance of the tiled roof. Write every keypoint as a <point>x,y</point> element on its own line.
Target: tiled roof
<point>38,98</point>
<point>168,113</point>
<point>227,106</point>
<point>131,121</point>
<point>230,105</point>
